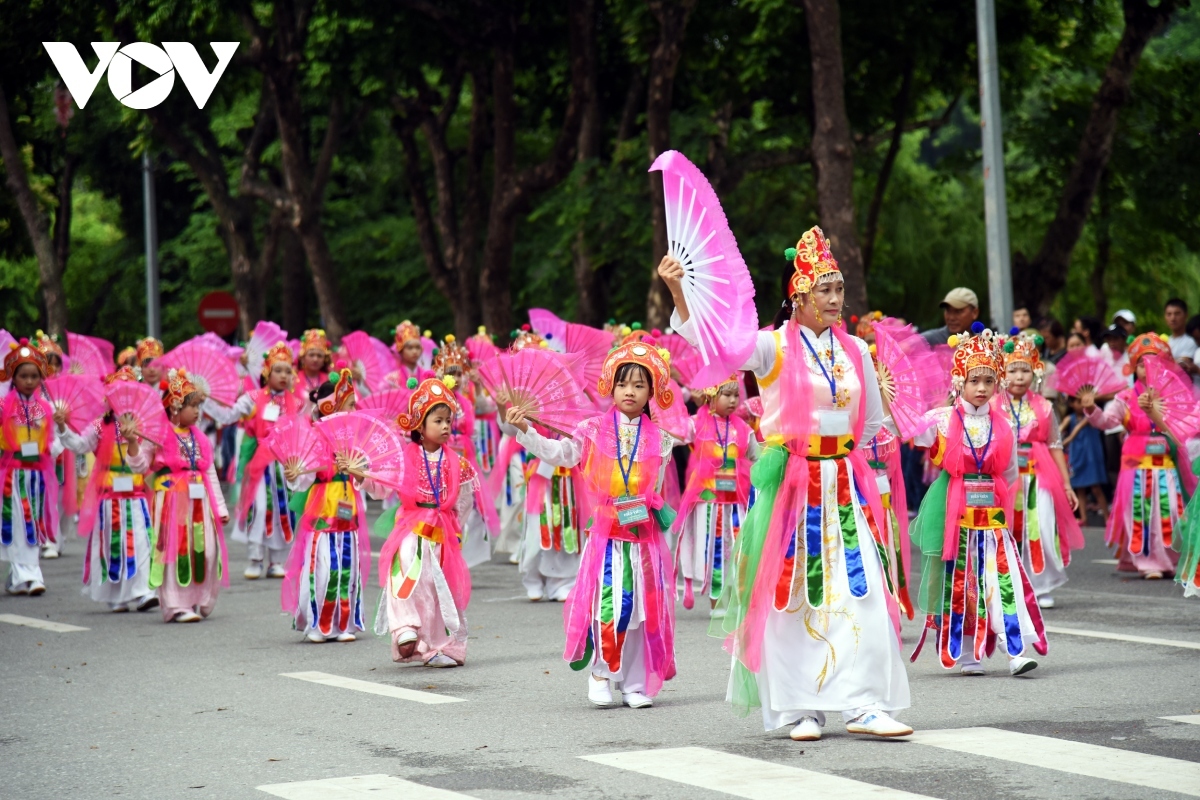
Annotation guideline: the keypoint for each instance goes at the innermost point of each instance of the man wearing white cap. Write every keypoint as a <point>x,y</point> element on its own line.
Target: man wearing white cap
<point>959,310</point>
<point>1122,321</point>
<point>1126,320</point>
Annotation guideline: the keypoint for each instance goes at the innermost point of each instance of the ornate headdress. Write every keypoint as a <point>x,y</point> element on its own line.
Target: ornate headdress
<point>450,354</point>
<point>128,357</point>
<point>343,391</point>
<point>657,361</point>
<point>975,354</point>
<point>1023,349</point>
<point>635,333</point>
<point>426,395</point>
<point>813,261</point>
<point>865,325</point>
<point>314,339</point>
<point>1144,344</point>
<point>279,354</point>
<point>148,348</point>
<point>712,391</point>
<point>125,373</point>
<point>48,344</point>
<point>176,388</point>
<point>19,353</point>
<point>525,337</point>
<point>407,332</point>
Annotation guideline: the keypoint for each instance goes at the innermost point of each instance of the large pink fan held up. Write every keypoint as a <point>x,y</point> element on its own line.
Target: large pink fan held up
<point>265,336</point>
<point>1079,371</point>
<point>89,356</point>
<point>363,355</point>
<point>212,372</point>
<point>389,404</point>
<point>81,395</point>
<point>716,283</point>
<point>144,405</point>
<point>1174,397</point>
<point>368,445</point>
<point>542,384</point>
<point>297,445</point>
<point>907,370</point>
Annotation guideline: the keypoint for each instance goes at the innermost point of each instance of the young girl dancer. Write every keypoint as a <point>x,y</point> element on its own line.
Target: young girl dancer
<point>620,616</point>
<point>28,448</point>
<point>973,585</point>
<point>427,585</point>
<point>717,493</point>
<point>315,359</point>
<point>115,513</point>
<point>331,557</point>
<point>1044,503</point>
<point>409,349</point>
<point>189,564</point>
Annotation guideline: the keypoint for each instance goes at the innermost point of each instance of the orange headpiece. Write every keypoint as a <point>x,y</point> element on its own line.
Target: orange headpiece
<point>635,333</point>
<point>407,332</point>
<point>866,324</point>
<point>451,355</point>
<point>343,392</point>
<point>975,354</point>
<point>125,373</point>
<point>176,388</point>
<point>279,354</point>
<point>314,339</point>
<point>1145,344</point>
<point>149,348</point>
<point>48,344</point>
<point>813,261</point>
<point>1022,349</point>
<point>655,360</point>
<point>429,393</point>
<point>712,391</point>
<point>22,352</point>
<point>128,357</point>
<point>524,337</point>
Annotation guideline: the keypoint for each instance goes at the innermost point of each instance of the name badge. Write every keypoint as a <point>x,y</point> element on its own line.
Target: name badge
<point>122,483</point>
<point>726,484</point>
<point>884,485</point>
<point>980,490</point>
<point>631,510</point>
<point>196,491</point>
<point>30,450</point>
<point>545,470</point>
<point>271,412</point>
<point>1022,461</point>
<point>345,511</point>
<point>833,422</point>
<point>1154,447</point>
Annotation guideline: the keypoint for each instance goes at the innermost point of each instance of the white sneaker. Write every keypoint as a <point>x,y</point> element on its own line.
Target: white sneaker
<point>49,551</point>
<point>636,700</point>
<point>1020,665</point>
<point>534,595</point>
<point>441,660</point>
<point>315,636</point>
<point>599,692</point>
<point>17,588</point>
<point>877,723</point>
<point>147,602</point>
<point>346,637</point>
<point>515,558</point>
<point>807,729</point>
<point>561,595</point>
<point>187,616</point>
<point>118,608</point>
<point>254,571</point>
<point>972,668</point>
<point>1045,601</point>
<point>276,571</point>
<point>37,587</point>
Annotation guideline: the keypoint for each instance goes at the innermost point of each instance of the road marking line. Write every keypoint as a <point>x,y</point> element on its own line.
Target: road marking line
<point>1112,562</point>
<point>507,599</point>
<point>1076,758</point>
<point>325,679</point>
<point>1190,719</point>
<point>743,777</point>
<point>380,787</point>
<point>43,624</point>
<point>1123,637</point>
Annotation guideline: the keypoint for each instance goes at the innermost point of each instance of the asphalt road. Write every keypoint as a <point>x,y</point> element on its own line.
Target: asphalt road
<point>134,708</point>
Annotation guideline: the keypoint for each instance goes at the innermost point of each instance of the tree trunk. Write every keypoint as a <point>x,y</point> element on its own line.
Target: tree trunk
<point>37,225</point>
<point>294,281</point>
<point>833,149</point>
<point>1103,249</point>
<point>590,307</point>
<point>672,17</point>
<point>62,217</point>
<point>1038,281</point>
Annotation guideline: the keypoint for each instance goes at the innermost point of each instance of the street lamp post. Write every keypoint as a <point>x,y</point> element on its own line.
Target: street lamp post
<point>995,206</point>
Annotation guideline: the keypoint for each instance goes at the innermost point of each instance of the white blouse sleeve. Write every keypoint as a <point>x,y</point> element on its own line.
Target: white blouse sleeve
<point>559,452</point>
<point>760,361</point>
<point>80,444</point>
<point>870,387</point>
<point>228,415</point>
<point>218,495</point>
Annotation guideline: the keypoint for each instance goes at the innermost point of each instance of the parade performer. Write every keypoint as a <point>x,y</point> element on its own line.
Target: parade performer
<point>974,587</point>
<point>717,492</point>
<point>408,349</point>
<point>315,359</point>
<point>427,585</point>
<point>1044,524</point>
<point>64,463</point>
<point>620,616</point>
<point>28,449</point>
<point>331,557</point>
<point>189,564</point>
<point>487,418</point>
<point>1149,496</point>
<point>148,351</point>
<point>265,519</point>
<point>115,513</point>
<point>808,615</point>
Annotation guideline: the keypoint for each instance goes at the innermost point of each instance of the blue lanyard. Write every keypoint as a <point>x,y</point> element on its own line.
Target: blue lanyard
<point>974,453</point>
<point>25,412</point>
<point>832,381</point>
<point>1016,412</point>
<point>190,452</point>
<point>875,446</point>
<point>723,442</point>
<point>434,485</point>
<point>625,473</point>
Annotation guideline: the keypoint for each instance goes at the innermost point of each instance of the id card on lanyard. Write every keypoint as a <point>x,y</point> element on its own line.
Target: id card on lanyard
<point>30,450</point>
<point>980,490</point>
<point>1156,446</point>
<point>631,509</point>
<point>122,484</point>
<point>271,412</point>
<point>196,491</point>
<point>1023,456</point>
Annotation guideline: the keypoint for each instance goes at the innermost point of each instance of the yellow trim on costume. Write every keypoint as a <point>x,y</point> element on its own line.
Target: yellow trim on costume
<point>777,367</point>
<point>983,519</point>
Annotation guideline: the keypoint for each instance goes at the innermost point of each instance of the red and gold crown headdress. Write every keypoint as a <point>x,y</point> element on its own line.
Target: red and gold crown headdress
<point>451,355</point>
<point>1019,348</point>
<point>428,394</point>
<point>635,333</point>
<point>47,344</point>
<point>864,326</point>
<point>19,353</point>
<point>655,360</point>
<point>813,261</point>
<point>125,373</point>
<point>176,388</point>
<point>710,392</point>
<point>343,391</point>
<point>128,357</point>
<point>407,332</point>
<point>280,353</point>
<point>148,348</point>
<point>975,354</point>
<point>525,337</point>
<point>1145,344</point>
<point>314,339</point>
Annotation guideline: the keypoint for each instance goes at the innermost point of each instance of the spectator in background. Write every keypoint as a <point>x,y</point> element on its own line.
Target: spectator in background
<point>1090,329</point>
<point>1021,319</point>
<point>1113,350</point>
<point>1183,346</point>
<point>1193,329</point>
<point>1054,335</point>
<point>1125,319</point>
<point>1076,341</point>
<point>959,310</point>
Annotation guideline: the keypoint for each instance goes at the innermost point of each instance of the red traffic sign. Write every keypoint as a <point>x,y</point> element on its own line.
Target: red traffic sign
<point>218,312</point>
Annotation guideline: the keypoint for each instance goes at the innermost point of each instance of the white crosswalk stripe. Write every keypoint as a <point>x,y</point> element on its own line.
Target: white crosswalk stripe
<point>1076,758</point>
<point>1190,719</point>
<point>379,787</point>
<point>1123,637</point>
<point>41,624</point>
<point>743,777</point>
<point>400,693</point>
